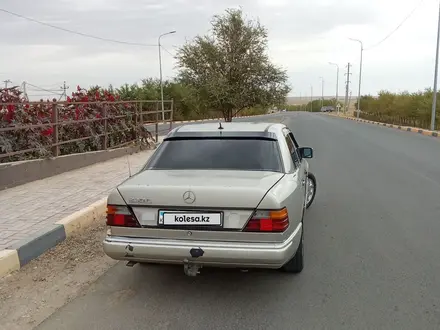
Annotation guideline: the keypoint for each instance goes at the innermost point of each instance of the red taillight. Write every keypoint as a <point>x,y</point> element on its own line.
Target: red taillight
<point>269,221</point>
<point>120,216</point>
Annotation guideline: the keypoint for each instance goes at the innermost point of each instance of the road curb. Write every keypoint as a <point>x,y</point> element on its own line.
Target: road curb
<point>402,128</point>
<point>76,222</point>
<point>9,262</point>
<point>18,255</point>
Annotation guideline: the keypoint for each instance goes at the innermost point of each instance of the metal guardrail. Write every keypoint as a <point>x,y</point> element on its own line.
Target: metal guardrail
<point>133,114</point>
<point>422,121</point>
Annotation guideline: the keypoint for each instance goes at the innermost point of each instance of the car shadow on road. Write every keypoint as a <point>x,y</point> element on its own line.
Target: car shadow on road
<point>213,280</point>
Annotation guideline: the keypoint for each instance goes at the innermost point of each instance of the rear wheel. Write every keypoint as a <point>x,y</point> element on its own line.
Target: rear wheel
<point>311,189</point>
<point>296,264</point>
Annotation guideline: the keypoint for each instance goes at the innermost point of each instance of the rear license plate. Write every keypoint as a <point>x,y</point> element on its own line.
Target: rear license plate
<point>178,218</point>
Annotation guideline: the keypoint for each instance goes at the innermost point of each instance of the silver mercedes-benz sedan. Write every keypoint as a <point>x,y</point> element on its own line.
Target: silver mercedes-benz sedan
<point>215,194</point>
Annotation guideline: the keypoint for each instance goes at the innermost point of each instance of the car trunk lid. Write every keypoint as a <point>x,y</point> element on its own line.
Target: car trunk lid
<point>230,196</point>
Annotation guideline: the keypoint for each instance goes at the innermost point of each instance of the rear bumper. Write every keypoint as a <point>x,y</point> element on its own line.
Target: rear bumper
<point>222,254</point>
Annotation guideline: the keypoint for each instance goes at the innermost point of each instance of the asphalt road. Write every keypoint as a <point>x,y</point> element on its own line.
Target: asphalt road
<point>372,251</point>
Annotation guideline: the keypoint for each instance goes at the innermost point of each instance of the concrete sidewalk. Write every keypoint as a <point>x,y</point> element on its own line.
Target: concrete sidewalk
<point>32,209</point>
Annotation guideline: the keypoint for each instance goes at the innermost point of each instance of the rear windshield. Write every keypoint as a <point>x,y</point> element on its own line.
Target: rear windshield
<point>218,154</point>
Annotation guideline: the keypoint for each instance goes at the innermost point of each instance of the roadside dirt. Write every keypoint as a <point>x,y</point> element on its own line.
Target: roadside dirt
<point>30,295</point>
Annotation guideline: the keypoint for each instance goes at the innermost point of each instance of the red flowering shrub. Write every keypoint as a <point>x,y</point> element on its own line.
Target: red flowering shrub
<point>81,118</point>
<point>95,105</point>
<point>14,111</point>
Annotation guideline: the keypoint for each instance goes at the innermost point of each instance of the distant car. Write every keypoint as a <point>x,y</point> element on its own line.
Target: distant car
<point>215,194</point>
<point>328,109</point>
<point>284,110</point>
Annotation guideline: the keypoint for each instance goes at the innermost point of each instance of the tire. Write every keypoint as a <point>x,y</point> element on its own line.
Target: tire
<point>296,264</point>
<point>311,177</point>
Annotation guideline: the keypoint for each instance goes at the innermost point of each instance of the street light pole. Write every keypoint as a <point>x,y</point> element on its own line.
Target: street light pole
<point>311,98</point>
<point>434,97</point>
<point>337,82</point>
<point>160,69</point>
<point>360,76</point>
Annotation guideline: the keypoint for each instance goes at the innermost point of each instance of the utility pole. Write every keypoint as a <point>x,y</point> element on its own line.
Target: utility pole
<point>322,92</point>
<point>360,76</point>
<point>160,68</point>
<point>311,98</point>
<point>434,96</point>
<point>337,82</point>
<point>349,99</point>
<point>7,81</point>
<point>25,91</point>
<point>64,88</point>
<point>347,83</point>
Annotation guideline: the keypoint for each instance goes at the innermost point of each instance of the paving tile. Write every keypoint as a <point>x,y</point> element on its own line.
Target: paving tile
<point>31,207</point>
<point>5,234</point>
<point>19,237</point>
<point>10,242</point>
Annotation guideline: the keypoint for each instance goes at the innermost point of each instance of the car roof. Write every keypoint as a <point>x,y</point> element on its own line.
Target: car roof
<point>230,127</point>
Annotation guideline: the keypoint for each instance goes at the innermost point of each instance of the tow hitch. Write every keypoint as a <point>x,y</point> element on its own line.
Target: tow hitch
<point>191,269</point>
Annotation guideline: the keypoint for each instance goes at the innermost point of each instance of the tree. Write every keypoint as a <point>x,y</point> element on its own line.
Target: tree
<point>229,70</point>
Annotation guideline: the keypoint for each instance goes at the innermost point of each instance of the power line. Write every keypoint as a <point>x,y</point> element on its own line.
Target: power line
<point>54,86</point>
<point>398,26</point>
<point>76,32</point>
<point>52,95</point>
<point>167,51</point>
<point>43,89</point>
<point>46,90</point>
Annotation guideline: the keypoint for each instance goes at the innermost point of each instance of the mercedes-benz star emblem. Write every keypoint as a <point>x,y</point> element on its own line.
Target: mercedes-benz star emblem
<point>189,197</point>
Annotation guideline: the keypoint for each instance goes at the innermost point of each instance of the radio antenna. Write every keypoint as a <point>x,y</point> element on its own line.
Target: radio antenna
<point>129,167</point>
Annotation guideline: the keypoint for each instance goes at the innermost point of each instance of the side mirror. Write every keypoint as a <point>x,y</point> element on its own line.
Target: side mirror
<point>306,152</point>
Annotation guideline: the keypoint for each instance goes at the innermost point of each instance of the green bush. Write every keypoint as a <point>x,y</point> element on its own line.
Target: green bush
<point>406,109</point>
